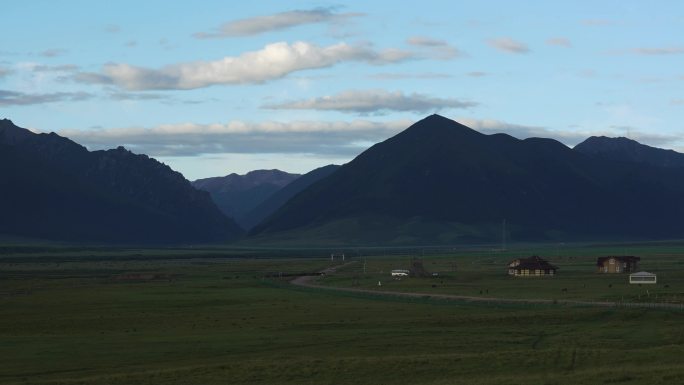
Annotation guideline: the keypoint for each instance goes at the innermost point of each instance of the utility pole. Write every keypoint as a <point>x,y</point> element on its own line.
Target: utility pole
<point>503,235</point>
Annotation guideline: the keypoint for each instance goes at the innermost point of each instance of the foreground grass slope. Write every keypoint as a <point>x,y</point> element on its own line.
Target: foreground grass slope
<point>213,321</point>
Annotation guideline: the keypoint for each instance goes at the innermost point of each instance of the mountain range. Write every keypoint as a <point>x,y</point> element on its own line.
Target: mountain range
<point>442,182</point>
<point>236,195</point>
<point>53,188</point>
<point>252,197</point>
<point>268,206</point>
<point>437,182</point>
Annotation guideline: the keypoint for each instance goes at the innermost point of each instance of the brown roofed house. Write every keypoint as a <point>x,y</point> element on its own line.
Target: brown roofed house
<point>617,264</point>
<point>531,267</point>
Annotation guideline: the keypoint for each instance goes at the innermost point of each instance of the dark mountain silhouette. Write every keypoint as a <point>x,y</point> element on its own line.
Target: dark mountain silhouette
<point>11,134</point>
<point>628,150</point>
<point>236,195</point>
<point>440,181</point>
<point>280,197</point>
<point>53,188</point>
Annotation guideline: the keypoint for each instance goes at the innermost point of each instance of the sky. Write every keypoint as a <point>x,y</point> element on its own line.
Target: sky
<point>216,87</point>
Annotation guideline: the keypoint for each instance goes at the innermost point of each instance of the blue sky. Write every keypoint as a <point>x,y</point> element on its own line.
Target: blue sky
<point>214,87</point>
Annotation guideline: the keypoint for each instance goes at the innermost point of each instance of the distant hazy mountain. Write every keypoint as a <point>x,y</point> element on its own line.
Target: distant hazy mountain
<point>280,197</point>
<point>53,188</point>
<point>442,182</point>
<point>627,150</point>
<point>236,195</point>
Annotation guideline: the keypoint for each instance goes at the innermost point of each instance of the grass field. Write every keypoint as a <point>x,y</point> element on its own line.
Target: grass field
<point>83,320</point>
<point>483,274</point>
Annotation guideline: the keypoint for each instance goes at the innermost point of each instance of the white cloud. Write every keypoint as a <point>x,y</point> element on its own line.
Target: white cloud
<point>658,51</point>
<point>238,137</point>
<point>373,101</point>
<point>318,138</point>
<point>272,62</point>
<point>438,49</point>
<point>425,41</point>
<point>278,21</point>
<point>506,44</point>
<point>13,98</point>
<point>493,126</point>
<point>54,68</point>
<point>559,42</point>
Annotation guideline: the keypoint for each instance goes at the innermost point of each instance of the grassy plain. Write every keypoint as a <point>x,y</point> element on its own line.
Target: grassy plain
<point>86,319</point>
<point>482,273</point>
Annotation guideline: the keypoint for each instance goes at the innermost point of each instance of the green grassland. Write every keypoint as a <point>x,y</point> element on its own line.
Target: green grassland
<point>484,274</point>
<point>211,320</point>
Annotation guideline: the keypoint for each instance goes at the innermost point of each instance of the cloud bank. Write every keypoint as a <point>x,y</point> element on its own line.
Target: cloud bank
<point>14,98</point>
<point>190,139</point>
<point>272,62</point>
<point>568,137</point>
<point>321,138</point>
<point>279,21</point>
<point>373,101</point>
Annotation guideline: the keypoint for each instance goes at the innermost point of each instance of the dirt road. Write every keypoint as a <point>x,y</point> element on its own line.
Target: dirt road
<point>310,281</point>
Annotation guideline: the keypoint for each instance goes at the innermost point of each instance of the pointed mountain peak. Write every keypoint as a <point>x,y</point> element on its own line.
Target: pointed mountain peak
<point>438,123</point>
<point>435,128</point>
<point>434,118</point>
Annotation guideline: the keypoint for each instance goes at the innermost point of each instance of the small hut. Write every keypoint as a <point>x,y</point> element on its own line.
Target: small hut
<point>531,267</point>
<point>617,264</point>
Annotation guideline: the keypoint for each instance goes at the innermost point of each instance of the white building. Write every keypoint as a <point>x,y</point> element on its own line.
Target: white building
<point>400,273</point>
<point>642,277</point>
